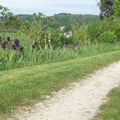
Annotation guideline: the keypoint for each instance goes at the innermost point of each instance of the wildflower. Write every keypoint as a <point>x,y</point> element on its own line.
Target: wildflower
<point>65,43</point>
<point>34,45</point>
<point>49,40</point>
<point>77,43</point>
<point>72,47</point>
<point>17,43</point>
<point>14,47</point>
<point>4,44</point>
<point>62,28</point>
<point>21,49</point>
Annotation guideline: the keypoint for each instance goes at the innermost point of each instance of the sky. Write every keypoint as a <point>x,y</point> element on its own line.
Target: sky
<point>51,7</point>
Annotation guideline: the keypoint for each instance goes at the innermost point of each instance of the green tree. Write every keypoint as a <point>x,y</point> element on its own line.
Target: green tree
<point>116,8</point>
<point>109,8</point>
<point>6,15</point>
<point>106,8</point>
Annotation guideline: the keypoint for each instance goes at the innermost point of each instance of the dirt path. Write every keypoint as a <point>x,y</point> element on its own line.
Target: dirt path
<point>81,102</point>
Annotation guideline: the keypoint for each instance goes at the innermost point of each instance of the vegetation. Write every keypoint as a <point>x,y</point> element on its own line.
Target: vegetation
<point>111,109</point>
<point>20,57</point>
<point>106,7</point>
<point>109,8</point>
<point>62,19</point>
<point>32,44</point>
<point>40,54</point>
<point>26,84</point>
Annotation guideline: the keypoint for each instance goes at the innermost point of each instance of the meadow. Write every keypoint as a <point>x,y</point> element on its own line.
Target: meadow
<point>40,55</point>
<point>24,86</point>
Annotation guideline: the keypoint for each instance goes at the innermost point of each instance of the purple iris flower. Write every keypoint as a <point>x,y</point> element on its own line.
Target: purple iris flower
<point>33,46</point>
<point>14,47</point>
<point>4,45</point>
<point>65,43</point>
<point>17,43</point>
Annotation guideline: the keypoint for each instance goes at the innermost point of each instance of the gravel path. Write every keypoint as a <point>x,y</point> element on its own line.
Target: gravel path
<point>80,102</point>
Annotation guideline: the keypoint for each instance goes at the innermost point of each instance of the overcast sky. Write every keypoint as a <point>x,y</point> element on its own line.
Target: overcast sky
<point>50,7</point>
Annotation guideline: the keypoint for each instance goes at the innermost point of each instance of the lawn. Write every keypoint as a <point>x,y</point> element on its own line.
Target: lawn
<point>111,109</point>
<point>23,86</point>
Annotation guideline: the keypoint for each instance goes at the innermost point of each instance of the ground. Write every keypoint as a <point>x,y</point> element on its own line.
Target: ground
<point>80,102</point>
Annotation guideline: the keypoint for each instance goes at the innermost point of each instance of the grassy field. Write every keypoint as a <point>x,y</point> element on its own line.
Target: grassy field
<point>10,59</point>
<point>111,109</point>
<point>22,86</point>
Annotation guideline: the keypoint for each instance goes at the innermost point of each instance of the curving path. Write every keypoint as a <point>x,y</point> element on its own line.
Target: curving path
<point>80,102</point>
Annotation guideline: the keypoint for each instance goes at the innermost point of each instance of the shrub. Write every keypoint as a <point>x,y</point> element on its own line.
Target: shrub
<point>108,37</point>
<point>80,34</point>
<point>117,33</point>
<point>99,28</point>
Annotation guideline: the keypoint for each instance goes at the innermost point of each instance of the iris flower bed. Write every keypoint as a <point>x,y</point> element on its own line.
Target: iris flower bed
<point>19,53</point>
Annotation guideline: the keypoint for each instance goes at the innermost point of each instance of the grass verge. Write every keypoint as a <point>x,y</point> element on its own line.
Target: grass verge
<point>111,109</point>
<point>21,86</point>
<point>10,59</point>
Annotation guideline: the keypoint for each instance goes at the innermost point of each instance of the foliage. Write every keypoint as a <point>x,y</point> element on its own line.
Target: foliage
<point>20,87</point>
<point>96,28</point>
<point>44,40</point>
<point>116,8</point>
<point>69,41</point>
<point>108,36</point>
<point>80,34</point>
<point>5,14</point>
<point>106,8</point>
<point>29,56</point>
<point>62,19</point>
<point>109,8</point>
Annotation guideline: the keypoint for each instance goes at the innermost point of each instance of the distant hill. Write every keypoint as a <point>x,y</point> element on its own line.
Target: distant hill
<point>75,17</point>
<point>25,17</point>
<point>63,19</point>
<point>69,19</point>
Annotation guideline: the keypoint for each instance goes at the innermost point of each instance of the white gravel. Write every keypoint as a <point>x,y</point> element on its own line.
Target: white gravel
<point>80,102</point>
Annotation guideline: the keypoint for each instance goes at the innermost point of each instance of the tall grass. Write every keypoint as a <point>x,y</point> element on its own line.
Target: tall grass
<point>10,59</point>
<point>22,86</point>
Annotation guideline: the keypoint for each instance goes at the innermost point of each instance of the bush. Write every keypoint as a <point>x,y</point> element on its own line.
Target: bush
<point>108,37</point>
<point>80,34</point>
<point>98,29</point>
<point>117,33</point>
